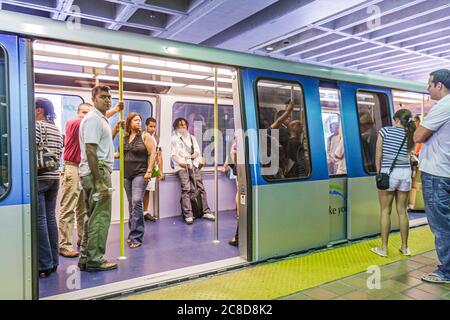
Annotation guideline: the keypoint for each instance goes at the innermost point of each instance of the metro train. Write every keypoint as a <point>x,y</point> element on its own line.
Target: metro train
<point>280,212</point>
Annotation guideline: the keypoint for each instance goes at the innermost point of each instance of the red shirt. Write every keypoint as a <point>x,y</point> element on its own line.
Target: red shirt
<point>72,151</point>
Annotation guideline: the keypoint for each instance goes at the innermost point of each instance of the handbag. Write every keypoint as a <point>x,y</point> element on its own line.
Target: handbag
<point>383,178</point>
<point>46,160</point>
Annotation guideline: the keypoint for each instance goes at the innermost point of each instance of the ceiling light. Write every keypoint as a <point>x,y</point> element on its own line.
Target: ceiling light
<point>144,81</point>
<point>220,79</point>
<point>367,96</point>
<point>412,95</point>
<point>83,63</point>
<point>194,86</point>
<point>178,65</point>
<point>153,62</point>
<point>226,72</point>
<point>407,100</point>
<point>64,73</point>
<point>269,48</point>
<point>160,72</point>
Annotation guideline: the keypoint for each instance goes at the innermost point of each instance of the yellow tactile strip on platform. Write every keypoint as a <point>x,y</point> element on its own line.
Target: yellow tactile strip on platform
<point>279,279</point>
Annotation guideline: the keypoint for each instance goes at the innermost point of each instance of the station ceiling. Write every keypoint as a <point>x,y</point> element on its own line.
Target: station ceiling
<point>402,38</point>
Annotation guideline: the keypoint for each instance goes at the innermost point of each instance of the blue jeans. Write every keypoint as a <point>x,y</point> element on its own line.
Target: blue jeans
<point>47,228</point>
<point>135,189</point>
<point>436,194</point>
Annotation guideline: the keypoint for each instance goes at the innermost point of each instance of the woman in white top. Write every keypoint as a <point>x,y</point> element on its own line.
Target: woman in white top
<point>393,140</point>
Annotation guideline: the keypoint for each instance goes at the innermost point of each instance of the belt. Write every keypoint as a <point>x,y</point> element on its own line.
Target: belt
<point>70,163</point>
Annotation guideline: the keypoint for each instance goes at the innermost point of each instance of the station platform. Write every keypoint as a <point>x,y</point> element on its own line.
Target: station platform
<point>333,273</point>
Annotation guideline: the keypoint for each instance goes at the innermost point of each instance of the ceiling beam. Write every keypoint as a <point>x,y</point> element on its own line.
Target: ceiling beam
<point>63,6</point>
<point>296,37</point>
<point>363,29</point>
<point>441,18</point>
<point>201,9</point>
<point>82,15</point>
<point>124,13</point>
<point>150,7</point>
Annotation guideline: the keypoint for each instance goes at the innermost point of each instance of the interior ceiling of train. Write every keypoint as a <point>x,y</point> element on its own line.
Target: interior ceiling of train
<point>402,38</point>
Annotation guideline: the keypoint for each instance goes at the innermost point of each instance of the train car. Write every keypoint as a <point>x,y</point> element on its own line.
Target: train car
<point>311,198</point>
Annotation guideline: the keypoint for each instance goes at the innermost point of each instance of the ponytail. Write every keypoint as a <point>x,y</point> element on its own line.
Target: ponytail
<point>406,120</point>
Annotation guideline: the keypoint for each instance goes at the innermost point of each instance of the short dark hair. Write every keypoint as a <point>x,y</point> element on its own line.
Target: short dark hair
<point>98,89</point>
<point>148,120</point>
<point>442,76</point>
<point>84,104</point>
<point>47,105</point>
<point>177,122</point>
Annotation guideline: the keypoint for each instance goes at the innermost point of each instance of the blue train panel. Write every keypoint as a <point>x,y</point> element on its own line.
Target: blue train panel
<point>310,88</point>
<point>17,134</point>
<point>350,122</point>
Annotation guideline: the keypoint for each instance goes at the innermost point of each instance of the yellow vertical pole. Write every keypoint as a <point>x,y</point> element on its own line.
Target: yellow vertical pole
<point>122,214</point>
<point>216,159</point>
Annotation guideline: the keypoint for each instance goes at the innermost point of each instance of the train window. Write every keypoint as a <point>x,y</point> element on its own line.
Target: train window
<point>201,122</point>
<point>143,107</point>
<point>373,114</point>
<point>332,125</point>
<point>283,139</point>
<point>65,107</point>
<point>419,104</point>
<point>4,132</point>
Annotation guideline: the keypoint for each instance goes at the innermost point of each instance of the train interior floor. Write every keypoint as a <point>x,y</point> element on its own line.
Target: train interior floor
<point>333,273</point>
<point>169,244</point>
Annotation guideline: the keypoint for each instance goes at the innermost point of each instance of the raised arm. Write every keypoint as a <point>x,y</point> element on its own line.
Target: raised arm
<point>118,107</point>
<point>284,116</point>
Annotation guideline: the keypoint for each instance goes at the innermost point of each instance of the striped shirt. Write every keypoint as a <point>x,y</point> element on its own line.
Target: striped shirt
<point>392,139</point>
<point>54,144</point>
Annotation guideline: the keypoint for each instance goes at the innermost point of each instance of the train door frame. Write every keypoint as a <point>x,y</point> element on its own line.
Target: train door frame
<point>363,207</point>
<point>19,248</point>
<point>298,234</point>
<point>337,182</point>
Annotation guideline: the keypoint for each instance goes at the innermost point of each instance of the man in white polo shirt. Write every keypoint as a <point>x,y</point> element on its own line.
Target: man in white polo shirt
<point>434,163</point>
<point>97,157</point>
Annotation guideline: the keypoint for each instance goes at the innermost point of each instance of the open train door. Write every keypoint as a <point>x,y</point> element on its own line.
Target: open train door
<point>289,202</point>
<point>365,110</point>
<point>17,180</point>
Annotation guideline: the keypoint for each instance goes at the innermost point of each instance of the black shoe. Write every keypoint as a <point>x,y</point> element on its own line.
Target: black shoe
<point>233,242</point>
<point>54,269</point>
<point>45,273</point>
<point>149,217</point>
<point>82,266</point>
<point>105,266</point>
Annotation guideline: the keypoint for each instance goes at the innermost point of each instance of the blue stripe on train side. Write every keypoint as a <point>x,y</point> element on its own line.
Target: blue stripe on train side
<point>350,122</point>
<point>313,115</point>
<point>17,194</point>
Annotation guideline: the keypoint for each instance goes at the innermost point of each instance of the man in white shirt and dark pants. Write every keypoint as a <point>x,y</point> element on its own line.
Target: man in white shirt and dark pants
<point>185,153</point>
<point>97,157</point>
<point>434,163</point>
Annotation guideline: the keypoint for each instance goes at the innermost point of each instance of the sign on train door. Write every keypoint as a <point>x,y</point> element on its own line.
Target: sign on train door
<point>365,110</point>
<point>287,163</point>
<point>16,192</point>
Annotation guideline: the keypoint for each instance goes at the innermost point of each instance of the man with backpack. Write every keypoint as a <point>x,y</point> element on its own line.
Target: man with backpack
<point>185,153</point>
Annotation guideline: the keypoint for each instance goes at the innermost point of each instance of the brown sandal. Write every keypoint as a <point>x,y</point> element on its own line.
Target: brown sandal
<point>134,245</point>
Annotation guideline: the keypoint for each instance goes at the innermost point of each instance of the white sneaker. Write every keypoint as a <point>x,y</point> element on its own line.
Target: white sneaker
<point>189,220</point>
<point>209,216</point>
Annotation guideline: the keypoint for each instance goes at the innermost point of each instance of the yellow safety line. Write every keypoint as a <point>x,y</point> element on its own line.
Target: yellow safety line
<point>279,279</point>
